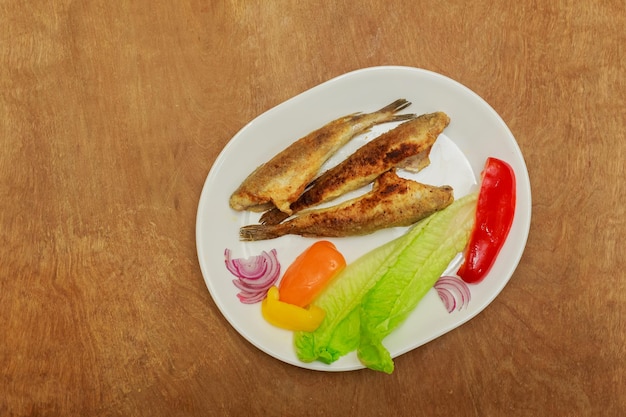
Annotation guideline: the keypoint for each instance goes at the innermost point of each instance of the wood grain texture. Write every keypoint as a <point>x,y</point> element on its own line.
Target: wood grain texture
<point>111,116</point>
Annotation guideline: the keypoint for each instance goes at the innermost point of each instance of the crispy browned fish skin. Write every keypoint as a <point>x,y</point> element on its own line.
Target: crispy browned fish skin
<point>407,145</point>
<point>281,180</point>
<point>393,201</point>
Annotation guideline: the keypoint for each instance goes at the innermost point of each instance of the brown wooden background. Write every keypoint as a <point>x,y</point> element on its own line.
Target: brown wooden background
<point>111,115</point>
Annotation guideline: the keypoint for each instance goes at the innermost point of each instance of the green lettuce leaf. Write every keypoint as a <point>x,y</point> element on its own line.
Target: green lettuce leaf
<point>339,332</point>
<point>417,268</point>
<point>375,293</point>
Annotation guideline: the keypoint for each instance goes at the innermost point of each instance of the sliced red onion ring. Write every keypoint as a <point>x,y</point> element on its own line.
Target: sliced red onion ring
<point>453,292</point>
<point>447,298</point>
<point>255,275</point>
<point>248,298</point>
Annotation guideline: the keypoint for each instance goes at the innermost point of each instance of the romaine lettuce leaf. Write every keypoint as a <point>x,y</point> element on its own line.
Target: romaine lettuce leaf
<point>339,332</point>
<point>375,293</point>
<point>417,268</point>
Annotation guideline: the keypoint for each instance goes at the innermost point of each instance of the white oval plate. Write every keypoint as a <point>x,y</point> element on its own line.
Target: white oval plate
<point>476,132</point>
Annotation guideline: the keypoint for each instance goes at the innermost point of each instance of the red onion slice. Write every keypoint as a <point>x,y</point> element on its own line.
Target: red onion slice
<point>255,275</point>
<point>246,298</point>
<point>447,298</point>
<point>453,292</point>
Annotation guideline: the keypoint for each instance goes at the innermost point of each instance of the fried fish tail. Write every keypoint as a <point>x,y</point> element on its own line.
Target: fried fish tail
<point>254,232</point>
<point>273,216</point>
<point>281,180</point>
<point>396,106</point>
<point>392,202</point>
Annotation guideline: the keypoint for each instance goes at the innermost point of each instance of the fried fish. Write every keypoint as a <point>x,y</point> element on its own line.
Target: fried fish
<point>281,180</point>
<point>406,146</point>
<point>393,201</point>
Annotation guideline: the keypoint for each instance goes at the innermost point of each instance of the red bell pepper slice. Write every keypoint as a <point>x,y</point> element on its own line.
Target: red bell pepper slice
<point>495,210</point>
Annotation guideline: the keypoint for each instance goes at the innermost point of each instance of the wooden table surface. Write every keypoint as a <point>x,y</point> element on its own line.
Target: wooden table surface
<point>112,114</point>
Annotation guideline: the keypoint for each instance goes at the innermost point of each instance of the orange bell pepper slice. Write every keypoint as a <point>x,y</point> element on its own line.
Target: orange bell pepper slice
<point>310,273</point>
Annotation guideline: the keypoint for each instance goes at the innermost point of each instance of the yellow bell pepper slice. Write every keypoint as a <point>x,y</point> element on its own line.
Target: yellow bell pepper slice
<point>289,316</point>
